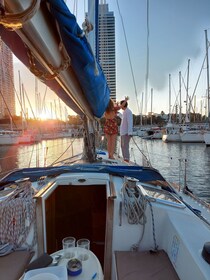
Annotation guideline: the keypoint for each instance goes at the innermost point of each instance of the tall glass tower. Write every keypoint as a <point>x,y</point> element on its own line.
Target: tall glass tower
<point>106,48</point>
<point>102,40</point>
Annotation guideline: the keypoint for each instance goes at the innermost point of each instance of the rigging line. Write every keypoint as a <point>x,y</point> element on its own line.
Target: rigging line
<point>74,7</point>
<point>73,159</point>
<point>188,97</point>
<point>45,156</point>
<point>126,41</point>
<point>43,101</point>
<point>144,156</point>
<point>176,99</point>
<point>29,102</point>
<point>183,81</point>
<point>29,164</point>
<point>20,99</point>
<point>202,67</point>
<point>84,8</point>
<point>63,152</point>
<point>176,95</point>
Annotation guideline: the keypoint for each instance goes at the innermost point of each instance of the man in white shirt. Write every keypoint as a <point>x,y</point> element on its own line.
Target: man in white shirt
<point>126,130</point>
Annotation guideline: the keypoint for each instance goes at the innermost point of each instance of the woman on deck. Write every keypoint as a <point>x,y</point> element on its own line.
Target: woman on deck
<point>110,126</point>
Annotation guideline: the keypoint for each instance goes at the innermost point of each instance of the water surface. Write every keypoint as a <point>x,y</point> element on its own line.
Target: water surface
<point>177,162</point>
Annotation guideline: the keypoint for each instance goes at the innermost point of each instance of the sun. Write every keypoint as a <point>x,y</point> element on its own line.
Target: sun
<point>44,116</point>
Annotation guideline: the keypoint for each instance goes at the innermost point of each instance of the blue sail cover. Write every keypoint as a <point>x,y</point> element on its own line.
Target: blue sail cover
<point>94,86</point>
<point>143,174</point>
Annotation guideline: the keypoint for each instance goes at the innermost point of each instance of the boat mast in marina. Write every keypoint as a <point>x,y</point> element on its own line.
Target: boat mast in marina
<point>207,71</point>
<point>180,97</point>
<point>187,95</point>
<point>207,134</point>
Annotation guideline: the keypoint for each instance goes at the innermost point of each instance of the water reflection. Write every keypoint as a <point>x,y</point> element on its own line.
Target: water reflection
<point>44,153</point>
<point>171,159</point>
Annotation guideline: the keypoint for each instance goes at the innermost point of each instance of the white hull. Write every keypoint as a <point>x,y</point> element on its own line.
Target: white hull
<point>171,133</point>
<point>192,137</point>
<point>157,135</point>
<point>8,138</point>
<point>47,136</point>
<point>172,137</point>
<point>141,132</point>
<point>207,138</point>
<point>29,138</point>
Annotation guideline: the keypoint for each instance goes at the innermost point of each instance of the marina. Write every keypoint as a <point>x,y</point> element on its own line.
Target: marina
<point>70,208</point>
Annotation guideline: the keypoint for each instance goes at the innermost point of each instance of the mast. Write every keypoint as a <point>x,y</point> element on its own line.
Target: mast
<point>90,124</point>
<point>151,105</point>
<point>180,97</point>
<point>142,100</point>
<point>24,109</point>
<point>21,102</point>
<point>61,116</point>
<point>51,110</point>
<point>36,98</point>
<point>147,59</point>
<point>187,94</point>
<point>169,119</point>
<point>207,67</point>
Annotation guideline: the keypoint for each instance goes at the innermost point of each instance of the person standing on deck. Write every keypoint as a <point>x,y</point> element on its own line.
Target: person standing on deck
<point>110,126</point>
<point>126,129</point>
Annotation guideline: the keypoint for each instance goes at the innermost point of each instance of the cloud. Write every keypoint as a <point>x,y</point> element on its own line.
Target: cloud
<point>176,29</point>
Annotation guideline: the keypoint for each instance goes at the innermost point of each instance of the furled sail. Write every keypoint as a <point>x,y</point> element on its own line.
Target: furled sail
<point>46,42</point>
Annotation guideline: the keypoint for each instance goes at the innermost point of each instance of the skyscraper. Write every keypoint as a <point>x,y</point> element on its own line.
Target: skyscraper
<point>7,93</point>
<point>102,40</point>
<point>106,46</point>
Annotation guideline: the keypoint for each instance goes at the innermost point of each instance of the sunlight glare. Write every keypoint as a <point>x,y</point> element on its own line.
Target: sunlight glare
<point>44,116</point>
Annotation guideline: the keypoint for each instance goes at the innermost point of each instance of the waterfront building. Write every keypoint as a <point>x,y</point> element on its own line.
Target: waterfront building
<point>102,41</point>
<point>7,93</point>
<point>107,57</point>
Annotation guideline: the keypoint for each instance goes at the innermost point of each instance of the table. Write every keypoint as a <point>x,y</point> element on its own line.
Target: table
<point>91,267</point>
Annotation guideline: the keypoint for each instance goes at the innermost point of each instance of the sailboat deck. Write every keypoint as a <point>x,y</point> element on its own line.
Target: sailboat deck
<point>144,265</point>
<point>13,265</point>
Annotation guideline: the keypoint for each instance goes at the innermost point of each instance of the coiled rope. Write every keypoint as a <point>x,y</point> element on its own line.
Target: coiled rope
<point>16,21</point>
<point>18,215</point>
<point>135,204</point>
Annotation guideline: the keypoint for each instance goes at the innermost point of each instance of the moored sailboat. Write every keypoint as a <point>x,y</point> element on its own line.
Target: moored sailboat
<point>8,137</point>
